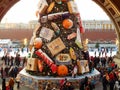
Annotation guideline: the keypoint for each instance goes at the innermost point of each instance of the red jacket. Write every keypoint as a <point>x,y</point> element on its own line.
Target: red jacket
<point>111,76</point>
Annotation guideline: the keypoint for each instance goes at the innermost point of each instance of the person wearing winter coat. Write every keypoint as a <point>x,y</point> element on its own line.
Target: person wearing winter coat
<point>116,86</point>
<point>105,80</point>
<point>7,86</point>
<point>11,83</point>
<point>3,84</point>
<point>112,80</point>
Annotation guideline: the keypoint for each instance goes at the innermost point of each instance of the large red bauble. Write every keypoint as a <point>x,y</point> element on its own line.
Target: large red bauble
<point>67,23</point>
<point>62,70</point>
<point>37,43</point>
<point>53,68</point>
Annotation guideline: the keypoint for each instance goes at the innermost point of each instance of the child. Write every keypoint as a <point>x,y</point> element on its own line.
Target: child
<point>7,86</point>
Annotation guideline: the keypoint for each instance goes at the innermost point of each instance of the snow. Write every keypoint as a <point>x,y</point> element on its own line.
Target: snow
<point>13,53</point>
<point>25,53</point>
<point>92,53</point>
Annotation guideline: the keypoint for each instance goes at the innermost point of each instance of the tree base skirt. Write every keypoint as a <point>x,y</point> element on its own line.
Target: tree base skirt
<point>40,82</point>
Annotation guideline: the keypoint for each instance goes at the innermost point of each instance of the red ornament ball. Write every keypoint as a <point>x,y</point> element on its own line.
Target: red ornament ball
<point>37,43</point>
<point>62,70</point>
<point>67,23</point>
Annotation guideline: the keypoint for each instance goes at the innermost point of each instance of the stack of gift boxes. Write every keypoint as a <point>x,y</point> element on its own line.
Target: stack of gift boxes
<point>56,41</point>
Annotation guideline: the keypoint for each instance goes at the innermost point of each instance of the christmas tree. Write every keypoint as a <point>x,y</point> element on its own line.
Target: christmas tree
<point>55,47</point>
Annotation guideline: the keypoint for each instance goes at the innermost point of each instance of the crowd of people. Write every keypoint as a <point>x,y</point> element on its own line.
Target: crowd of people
<point>10,68</point>
<point>109,72</point>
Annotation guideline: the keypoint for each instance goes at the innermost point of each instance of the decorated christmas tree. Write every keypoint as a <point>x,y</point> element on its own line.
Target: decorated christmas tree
<point>56,48</point>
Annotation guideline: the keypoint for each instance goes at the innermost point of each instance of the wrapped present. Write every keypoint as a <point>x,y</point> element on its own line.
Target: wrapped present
<point>44,19</point>
<point>42,6</point>
<point>32,64</point>
<point>72,7</point>
<point>63,59</point>
<point>83,66</point>
<point>56,46</point>
<point>46,33</point>
<point>47,60</point>
<point>86,66</point>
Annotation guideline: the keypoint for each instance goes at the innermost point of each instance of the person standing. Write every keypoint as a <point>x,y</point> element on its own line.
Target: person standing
<point>105,80</point>
<point>6,59</point>
<point>17,60</point>
<point>11,83</point>
<point>24,61</point>
<point>2,72</point>
<point>18,81</point>
<point>6,70</point>
<point>112,80</point>
<point>7,86</point>
<point>11,61</point>
<point>3,84</point>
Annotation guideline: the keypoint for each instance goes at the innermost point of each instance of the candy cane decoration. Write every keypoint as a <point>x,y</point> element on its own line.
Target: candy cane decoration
<point>47,60</point>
